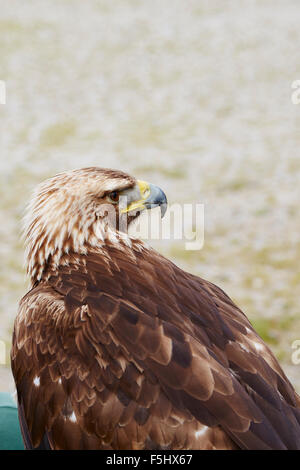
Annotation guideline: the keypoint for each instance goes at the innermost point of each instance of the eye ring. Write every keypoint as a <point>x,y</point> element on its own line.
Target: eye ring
<point>114,196</point>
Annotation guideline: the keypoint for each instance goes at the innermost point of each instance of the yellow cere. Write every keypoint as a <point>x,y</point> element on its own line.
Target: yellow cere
<point>144,189</point>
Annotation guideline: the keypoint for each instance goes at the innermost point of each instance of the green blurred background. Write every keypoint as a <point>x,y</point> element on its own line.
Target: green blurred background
<point>192,95</point>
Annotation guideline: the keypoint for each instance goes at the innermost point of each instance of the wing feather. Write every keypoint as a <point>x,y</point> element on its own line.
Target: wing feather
<point>139,354</point>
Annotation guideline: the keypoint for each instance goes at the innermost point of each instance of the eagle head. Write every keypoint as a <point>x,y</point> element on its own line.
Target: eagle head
<point>80,208</point>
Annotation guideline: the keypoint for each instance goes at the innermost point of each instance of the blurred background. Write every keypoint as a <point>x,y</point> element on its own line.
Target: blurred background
<point>192,95</point>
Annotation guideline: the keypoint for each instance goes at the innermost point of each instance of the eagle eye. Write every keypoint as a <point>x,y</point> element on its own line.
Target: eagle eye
<point>114,196</point>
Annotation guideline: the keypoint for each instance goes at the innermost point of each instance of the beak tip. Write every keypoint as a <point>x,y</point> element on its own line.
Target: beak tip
<point>163,209</point>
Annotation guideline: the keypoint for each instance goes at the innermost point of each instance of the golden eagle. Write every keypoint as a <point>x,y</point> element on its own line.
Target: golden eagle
<point>115,347</point>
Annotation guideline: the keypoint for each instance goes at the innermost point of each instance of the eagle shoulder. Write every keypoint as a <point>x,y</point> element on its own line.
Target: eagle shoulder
<point>135,353</point>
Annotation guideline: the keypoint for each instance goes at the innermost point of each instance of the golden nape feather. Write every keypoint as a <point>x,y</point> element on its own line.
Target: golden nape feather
<point>115,347</point>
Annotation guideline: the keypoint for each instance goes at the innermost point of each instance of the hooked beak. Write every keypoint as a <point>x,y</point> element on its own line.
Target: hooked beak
<point>145,196</point>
